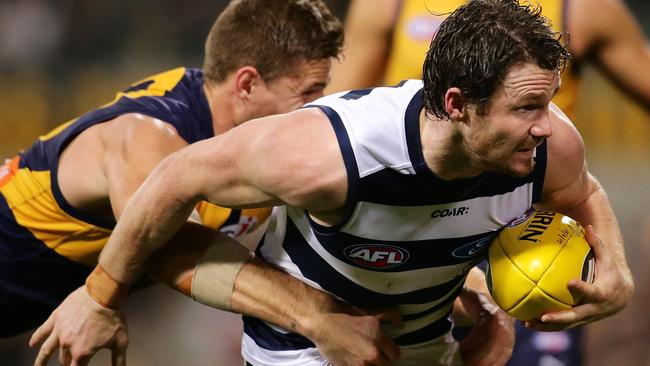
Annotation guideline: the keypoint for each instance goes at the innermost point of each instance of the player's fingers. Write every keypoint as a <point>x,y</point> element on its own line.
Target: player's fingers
<point>118,355</point>
<point>48,347</point>
<point>543,327</point>
<point>119,359</point>
<point>389,349</point>
<point>563,319</point>
<point>596,244</point>
<point>42,332</point>
<point>381,361</point>
<point>65,358</point>
<point>389,315</point>
<point>587,292</point>
<point>80,361</point>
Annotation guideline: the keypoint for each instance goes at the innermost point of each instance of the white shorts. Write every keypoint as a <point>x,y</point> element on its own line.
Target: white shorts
<point>442,351</point>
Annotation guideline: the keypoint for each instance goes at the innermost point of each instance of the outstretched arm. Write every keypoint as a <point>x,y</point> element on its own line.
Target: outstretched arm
<point>570,188</point>
<point>260,176</point>
<point>605,31</point>
<point>292,158</point>
<point>267,293</point>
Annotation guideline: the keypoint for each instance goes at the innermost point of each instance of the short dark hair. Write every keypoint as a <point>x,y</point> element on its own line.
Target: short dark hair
<point>478,44</point>
<point>272,36</point>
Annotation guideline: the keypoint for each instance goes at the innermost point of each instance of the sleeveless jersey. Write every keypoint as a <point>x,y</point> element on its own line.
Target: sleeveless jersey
<point>416,23</point>
<point>31,203</point>
<point>408,237</point>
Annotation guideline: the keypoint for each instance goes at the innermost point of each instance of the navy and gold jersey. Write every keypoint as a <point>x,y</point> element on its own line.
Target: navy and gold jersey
<point>47,246</point>
<point>31,196</point>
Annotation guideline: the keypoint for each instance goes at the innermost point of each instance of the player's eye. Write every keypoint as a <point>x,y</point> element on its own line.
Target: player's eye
<point>529,107</point>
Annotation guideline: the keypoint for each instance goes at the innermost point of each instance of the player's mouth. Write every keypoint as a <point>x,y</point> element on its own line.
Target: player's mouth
<point>529,148</point>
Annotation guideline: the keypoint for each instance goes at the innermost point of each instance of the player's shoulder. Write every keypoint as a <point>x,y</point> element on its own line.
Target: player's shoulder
<point>565,151</point>
<point>565,136</point>
<point>139,125</point>
<point>136,130</point>
<point>378,98</point>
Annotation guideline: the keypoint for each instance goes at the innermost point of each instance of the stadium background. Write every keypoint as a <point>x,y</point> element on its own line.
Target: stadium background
<point>61,58</point>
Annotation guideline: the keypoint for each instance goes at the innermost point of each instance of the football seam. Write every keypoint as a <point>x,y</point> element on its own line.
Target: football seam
<point>525,275</point>
<point>546,270</point>
<point>530,279</point>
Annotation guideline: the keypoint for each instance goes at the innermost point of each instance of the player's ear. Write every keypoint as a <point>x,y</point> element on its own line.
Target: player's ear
<point>454,103</point>
<point>246,79</point>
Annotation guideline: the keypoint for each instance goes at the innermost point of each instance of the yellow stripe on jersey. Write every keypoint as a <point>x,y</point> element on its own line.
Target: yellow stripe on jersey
<point>30,198</point>
<point>216,217</point>
<point>161,83</point>
<point>56,131</point>
<point>212,215</point>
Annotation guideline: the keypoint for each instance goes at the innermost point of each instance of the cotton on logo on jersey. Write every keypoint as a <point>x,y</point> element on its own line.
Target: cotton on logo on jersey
<point>376,256</point>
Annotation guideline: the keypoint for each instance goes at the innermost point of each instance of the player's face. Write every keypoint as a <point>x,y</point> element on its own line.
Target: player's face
<point>288,93</point>
<point>517,120</point>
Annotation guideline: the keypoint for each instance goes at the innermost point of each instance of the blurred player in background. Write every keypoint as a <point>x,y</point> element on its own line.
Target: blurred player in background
<point>61,198</point>
<point>361,173</point>
<point>386,41</point>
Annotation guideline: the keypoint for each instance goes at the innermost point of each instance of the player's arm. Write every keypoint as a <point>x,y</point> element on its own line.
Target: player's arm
<point>129,147</point>
<point>262,291</point>
<point>290,158</point>
<point>368,29</point>
<point>607,32</point>
<point>202,255</point>
<point>570,188</point>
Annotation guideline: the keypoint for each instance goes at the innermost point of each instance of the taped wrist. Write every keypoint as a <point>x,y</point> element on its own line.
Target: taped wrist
<point>215,273</point>
<point>105,289</point>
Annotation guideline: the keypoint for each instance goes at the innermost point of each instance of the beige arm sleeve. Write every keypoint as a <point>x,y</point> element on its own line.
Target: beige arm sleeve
<point>215,273</point>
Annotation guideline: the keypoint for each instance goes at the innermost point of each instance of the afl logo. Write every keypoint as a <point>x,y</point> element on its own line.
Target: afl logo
<point>474,248</point>
<point>376,256</point>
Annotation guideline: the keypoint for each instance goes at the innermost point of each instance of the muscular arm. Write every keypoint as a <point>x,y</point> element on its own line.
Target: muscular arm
<point>368,29</point>
<point>293,159</point>
<point>133,146</point>
<point>570,188</point>
<point>288,158</point>
<point>260,290</point>
<point>605,31</point>
<point>80,326</point>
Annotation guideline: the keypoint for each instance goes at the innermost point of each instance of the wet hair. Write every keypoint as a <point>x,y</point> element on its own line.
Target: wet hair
<point>271,35</point>
<point>479,43</point>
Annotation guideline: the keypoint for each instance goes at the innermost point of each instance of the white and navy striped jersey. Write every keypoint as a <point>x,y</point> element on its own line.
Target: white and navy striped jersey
<point>408,238</point>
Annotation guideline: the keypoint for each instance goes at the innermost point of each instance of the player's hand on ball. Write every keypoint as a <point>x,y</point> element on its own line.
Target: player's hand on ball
<point>608,294</point>
<point>492,337</point>
<point>354,337</point>
<point>79,328</point>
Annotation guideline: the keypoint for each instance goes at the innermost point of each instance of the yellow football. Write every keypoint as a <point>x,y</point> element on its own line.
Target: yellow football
<point>531,261</point>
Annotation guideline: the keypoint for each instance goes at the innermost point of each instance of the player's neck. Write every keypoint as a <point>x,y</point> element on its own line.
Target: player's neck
<point>443,147</point>
<point>221,106</point>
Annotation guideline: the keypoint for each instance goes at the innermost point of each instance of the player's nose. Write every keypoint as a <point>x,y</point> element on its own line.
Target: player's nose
<point>542,128</point>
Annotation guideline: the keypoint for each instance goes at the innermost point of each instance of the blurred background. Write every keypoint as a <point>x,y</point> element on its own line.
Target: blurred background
<point>59,59</point>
